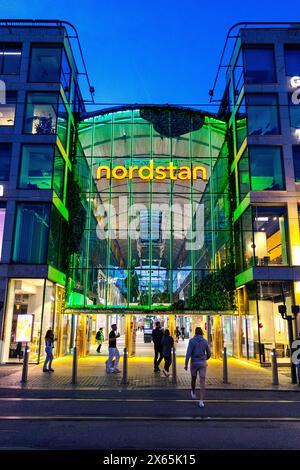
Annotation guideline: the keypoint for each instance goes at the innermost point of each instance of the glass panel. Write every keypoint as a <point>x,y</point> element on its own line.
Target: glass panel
<point>8,110</point>
<point>65,75</point>
<point>292,61</point>
<point>36,167</point>
<point>241,125</point>
<point>31,233</point>
<point>262,111</point>
<point>294,110</point>
<point>59,174</point>
<point>56,238</point>
<point>238,74</point>
<point>62,123</point>
<point>2,222</point>
<point>41,109</point>
<point>45,64</point>
<point>259,65</point>
<point>25,296</point>
<point>244,176</point>
<point>10,59</point>
<point>5,157</point>
<point>270,236</point>
<point>266,168</point>
<point>296,160</point>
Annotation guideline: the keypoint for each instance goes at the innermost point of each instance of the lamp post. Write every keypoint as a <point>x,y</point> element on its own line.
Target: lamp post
<point>289,318</point>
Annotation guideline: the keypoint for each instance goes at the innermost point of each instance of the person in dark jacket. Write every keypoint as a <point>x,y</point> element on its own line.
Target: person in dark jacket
<point>49,345</point>
<point>167,344</point>
<point>177,333</point>
<point>198,352</point>
<point>157,335</point>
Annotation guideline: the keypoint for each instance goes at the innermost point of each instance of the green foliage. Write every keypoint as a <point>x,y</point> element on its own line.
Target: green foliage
<point>215,292</point>
<point>77,216</point>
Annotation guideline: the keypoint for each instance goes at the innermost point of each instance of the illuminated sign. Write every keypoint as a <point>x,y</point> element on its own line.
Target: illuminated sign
<point>150,172</point>
<point>24,328</point>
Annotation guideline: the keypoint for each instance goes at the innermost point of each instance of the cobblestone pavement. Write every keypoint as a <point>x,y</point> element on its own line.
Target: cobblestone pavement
<point>92,375</point>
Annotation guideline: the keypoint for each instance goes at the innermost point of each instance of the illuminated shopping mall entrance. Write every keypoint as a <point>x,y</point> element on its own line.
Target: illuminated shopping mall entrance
<point>135,332</point>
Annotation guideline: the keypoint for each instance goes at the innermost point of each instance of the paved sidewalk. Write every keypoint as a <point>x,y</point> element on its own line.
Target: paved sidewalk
<point>92,375</point>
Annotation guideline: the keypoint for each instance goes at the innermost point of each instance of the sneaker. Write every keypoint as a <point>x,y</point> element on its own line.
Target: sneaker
<point>193,395</point>
<point>117,370</point>
<point>45,370</point>
<point>201,404</point>
<point>51,370</point>
<point>166,374</point>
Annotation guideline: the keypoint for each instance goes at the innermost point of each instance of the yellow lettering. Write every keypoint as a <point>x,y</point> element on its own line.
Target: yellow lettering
<point>171,169</point>
<point>119,172</point>
<point>203,171</point>
<point>103,168</point>
<point>131,169</point>
<point>160,173</point>
<point>150,170</point>
<point>184,173</point>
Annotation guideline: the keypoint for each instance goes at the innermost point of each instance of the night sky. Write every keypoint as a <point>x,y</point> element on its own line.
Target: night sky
<point>154,51</point>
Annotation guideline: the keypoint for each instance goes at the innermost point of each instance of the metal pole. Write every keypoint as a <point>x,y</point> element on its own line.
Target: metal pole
<point>274,367</point>
<point>25,365</point>
<point>125,367</point>
<point>291,340</point>
<point>225,367</point>
<point>74,366</point>
<point>174,375</point>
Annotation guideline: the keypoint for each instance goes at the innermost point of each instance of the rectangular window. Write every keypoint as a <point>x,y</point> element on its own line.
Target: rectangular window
<point>8,110</point>
<point>45,64</point>
<point>266,168</point>
<point>10,59</point>
<point>294,110</point>
<point>292,61</point>
<point>296,160</point>
<point>262,112</point>
<point>31,233</point>
<point>41,113</point>
<point>5,158</point>
<point>2,222</point>
<point>259,65</point>
<point>238,76</point>
<point>36,167</point>
<point>65,77</point>
<point>270,236</point>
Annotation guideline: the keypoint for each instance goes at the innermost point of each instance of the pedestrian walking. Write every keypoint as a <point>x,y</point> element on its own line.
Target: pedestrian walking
<point>177,334</point>
<point>167,344</point>
<point>113,352</point>
<point>198,352</point>
<point>157,335</point>
<point>49,345</point>
<point>183,333</point>
<point>99,339</point>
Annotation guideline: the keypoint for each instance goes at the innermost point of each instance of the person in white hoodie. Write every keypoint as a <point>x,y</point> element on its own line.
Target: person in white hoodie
<point>198,352</point>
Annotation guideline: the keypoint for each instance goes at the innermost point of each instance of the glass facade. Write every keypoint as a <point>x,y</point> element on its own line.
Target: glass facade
<point>147,242</point>
<point>259,65</point>
<point>5,158</point>
<point>262,113</point>
<point>10,58</point>
<point>41,113</point>
<point>8,110</point>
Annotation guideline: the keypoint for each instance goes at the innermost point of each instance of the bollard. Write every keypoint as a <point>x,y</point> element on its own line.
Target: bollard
<point>225,368</point>
<point>74,366</point>
<point>25,365</point>
<point>125,366</point>
<point>274,367</point>
<point>174,375</point>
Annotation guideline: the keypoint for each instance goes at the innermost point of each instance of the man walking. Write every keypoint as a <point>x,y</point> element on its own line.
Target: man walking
<point>157,335</point>
<point>198,352</point>
<point>113,352</point>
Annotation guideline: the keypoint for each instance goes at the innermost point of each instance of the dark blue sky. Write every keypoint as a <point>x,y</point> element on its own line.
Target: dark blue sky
<point>151,51</point>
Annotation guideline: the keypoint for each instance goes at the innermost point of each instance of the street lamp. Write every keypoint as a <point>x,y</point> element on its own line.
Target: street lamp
<point>283,312</point>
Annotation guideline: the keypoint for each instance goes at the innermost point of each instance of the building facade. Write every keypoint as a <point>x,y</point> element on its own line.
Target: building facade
<point>159,211</point>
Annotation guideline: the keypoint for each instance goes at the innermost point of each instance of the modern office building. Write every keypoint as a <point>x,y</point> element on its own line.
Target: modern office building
<point>128,214</point>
